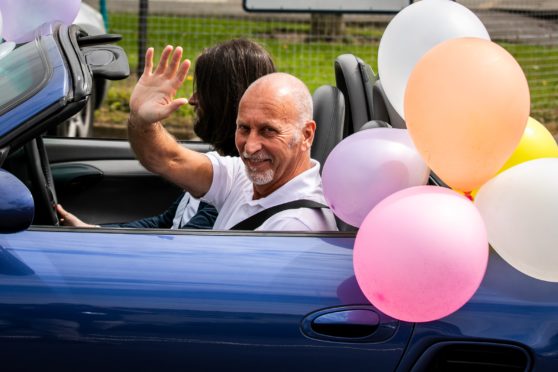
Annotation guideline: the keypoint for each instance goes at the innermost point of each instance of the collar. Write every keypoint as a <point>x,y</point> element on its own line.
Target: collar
<point>297,188</point>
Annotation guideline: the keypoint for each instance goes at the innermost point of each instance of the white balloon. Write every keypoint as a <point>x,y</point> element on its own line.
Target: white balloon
<point>413,32</point>
<point>520,209</point>
<point>22,17</point>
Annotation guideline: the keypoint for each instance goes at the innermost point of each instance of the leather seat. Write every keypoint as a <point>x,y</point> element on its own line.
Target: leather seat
<point>383,110</point>
<point>329,114</point>
<point>364,95</point>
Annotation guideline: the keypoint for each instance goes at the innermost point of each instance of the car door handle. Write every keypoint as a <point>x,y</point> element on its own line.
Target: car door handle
<point>357,323</point>
<point>73,176</point>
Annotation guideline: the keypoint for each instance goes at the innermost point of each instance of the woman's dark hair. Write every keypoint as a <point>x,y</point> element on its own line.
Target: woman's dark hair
<point>222,74</point>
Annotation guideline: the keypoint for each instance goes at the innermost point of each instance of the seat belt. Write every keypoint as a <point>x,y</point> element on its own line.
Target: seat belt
<point>255,221</point>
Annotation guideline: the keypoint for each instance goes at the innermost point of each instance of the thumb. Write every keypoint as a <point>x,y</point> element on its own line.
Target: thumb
<point>177,103</point>
<point>61,211</point>
<point>68,219</point>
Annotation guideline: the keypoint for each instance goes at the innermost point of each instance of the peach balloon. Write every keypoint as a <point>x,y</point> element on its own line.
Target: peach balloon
<point>466,106</point>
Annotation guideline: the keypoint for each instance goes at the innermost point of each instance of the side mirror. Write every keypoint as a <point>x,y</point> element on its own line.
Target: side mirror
<point>16,204</point>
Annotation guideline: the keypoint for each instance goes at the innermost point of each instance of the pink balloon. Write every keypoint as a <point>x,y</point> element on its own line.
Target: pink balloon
<point>22,17</point>
<point>368,166</point>
<point>421,253</point>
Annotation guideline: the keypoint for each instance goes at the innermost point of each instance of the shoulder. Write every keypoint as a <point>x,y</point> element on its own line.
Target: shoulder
<point>223,161</point>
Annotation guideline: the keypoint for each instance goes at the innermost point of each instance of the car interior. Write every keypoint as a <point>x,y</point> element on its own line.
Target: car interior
<point>101,182</point>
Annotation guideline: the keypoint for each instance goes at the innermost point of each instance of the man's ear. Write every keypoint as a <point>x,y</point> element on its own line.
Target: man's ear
<point>308,135</point>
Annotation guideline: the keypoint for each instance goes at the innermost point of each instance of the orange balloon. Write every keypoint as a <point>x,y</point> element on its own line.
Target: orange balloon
<point>466,106</point>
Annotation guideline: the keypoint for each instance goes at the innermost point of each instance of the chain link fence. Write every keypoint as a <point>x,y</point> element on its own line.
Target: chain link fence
<point>306,45</point>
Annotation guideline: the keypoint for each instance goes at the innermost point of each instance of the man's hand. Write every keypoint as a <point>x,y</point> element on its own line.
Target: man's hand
<point>152,99</point>
<point>157,150</point>
<point>68,219</point>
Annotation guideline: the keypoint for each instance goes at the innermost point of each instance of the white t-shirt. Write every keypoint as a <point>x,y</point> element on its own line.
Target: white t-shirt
<point>186,209</point>
<point>231,193</point>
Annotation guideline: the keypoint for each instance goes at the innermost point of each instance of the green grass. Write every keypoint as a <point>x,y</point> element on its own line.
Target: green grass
<point>309,59</point>
<point>286,41</point>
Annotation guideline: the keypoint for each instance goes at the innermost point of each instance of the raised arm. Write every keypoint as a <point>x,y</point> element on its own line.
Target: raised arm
<point>153,99</point>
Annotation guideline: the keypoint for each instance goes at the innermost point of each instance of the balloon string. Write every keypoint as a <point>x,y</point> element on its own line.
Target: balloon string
<point>469,195</point>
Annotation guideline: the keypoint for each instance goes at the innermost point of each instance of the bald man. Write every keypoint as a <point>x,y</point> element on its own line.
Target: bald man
<point>274,135</point>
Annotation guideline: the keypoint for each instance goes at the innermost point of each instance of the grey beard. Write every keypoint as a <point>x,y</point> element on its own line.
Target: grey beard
<point>260,178</point>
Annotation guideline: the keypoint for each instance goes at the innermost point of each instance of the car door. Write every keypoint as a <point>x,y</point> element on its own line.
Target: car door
<point>102,182</point>
<point>115,299</point>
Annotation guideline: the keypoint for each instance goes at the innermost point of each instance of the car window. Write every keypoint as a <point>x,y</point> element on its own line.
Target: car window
<point>22,73</point>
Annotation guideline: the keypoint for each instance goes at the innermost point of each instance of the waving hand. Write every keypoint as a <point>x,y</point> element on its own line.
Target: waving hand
<point>153,98</point>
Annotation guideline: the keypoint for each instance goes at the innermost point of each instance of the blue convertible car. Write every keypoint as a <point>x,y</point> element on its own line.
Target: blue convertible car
<point>122,299</point>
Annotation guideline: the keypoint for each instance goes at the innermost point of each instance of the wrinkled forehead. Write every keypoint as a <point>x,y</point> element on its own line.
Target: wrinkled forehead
<point>267,101</point>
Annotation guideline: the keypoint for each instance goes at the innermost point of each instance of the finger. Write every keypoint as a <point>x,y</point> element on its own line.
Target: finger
<point>176,104</point>
<point>148,68</point>
<point>162,66</point>
<point>183,71</point>
<point>175,62</point>
<point>62,215</point>
<point>61,211</point>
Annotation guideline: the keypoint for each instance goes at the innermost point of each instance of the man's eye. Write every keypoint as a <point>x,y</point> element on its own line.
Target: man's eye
<point>268,131</point>
<point>242,128</point>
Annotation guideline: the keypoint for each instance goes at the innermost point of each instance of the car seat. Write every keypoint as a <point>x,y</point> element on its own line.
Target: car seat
<point>355,79</point>
<point>329,115</point>
<point>383,109</point>
<point>364,96</point>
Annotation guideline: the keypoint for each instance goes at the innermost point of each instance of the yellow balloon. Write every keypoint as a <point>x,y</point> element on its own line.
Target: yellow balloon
<point>537,142</point>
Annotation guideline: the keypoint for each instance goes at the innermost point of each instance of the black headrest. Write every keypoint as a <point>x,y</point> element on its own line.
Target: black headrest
<point>383,110</point>
<point>355,79</point>
<point>329,114</point>
<point>375,124</point>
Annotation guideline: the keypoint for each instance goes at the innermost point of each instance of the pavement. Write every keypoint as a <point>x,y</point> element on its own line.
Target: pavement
<point>538,6</point>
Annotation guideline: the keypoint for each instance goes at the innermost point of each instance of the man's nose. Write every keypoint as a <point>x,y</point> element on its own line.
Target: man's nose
<point>253,143</point>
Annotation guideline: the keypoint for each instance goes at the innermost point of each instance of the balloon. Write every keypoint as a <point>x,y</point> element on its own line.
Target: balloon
<point>520,209</point>
<point>536,142</point>
<point>467,104</point>
<point>22,17</point>
<point>421,253</point>
<point>366,167</point>
<point>414,31</point>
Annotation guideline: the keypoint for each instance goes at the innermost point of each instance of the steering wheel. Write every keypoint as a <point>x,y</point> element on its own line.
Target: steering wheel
<point>41,176</point>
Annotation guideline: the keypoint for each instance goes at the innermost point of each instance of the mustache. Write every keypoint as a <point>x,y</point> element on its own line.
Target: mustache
<point>257,156</point>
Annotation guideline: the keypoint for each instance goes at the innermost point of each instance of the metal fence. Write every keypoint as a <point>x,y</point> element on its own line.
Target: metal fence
<point>306,45</point>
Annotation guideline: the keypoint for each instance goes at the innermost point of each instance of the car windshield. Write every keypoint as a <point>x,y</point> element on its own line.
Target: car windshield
<point>22,72</point>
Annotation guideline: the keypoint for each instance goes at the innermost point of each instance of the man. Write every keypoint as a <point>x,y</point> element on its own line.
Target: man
<point>274,134</point>
<point>218,86</point>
